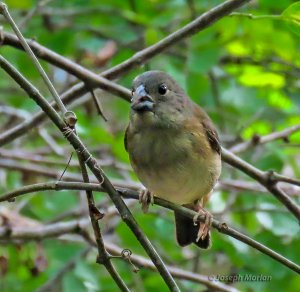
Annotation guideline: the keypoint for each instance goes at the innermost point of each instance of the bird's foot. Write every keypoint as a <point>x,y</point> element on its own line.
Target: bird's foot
<point>145,199</point>
<point>203,226</point>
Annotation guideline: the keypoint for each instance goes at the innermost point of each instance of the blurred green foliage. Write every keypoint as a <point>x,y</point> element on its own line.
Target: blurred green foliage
<point>244,72</point>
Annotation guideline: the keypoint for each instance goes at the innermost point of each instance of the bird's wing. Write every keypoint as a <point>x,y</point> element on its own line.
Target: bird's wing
<point>212,136</point>
<point>125,139</point>
<point>208,127</point>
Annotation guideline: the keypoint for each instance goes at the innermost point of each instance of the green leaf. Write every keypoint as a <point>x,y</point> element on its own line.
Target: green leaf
<point>292,16</point>
<point>19,4</point>
<point>255,76</point>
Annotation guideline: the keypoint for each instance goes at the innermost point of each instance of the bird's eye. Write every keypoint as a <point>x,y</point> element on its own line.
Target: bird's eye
<point>162,89</point>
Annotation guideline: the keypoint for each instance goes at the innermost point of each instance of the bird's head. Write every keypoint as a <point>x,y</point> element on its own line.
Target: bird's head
<point>157,98</point>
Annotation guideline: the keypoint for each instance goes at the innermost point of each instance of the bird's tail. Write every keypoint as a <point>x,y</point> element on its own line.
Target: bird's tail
<point>186,232</point>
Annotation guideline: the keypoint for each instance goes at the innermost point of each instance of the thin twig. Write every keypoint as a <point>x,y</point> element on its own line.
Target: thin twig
<point>259,17</point>
<point>40,4</point>
<point>4,11</point>
<point>259,140</point>
<point>98,105</point>
<point>66,167</point>
<point>275,177</point>
<point>95,215</point>
<point>19,154</point>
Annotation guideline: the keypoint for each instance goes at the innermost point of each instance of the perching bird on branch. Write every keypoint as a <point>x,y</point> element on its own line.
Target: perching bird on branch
<point>174,150</point>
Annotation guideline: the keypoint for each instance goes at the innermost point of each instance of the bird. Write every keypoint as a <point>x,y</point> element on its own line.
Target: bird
<point>175,151</point>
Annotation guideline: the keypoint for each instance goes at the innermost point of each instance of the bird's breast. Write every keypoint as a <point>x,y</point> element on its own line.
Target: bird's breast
<point>165,162</point>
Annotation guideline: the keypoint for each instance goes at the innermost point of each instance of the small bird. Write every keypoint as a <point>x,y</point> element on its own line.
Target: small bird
<point>174,150</point>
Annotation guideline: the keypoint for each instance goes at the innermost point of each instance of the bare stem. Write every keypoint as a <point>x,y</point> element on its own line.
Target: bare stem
<point>95,215</point>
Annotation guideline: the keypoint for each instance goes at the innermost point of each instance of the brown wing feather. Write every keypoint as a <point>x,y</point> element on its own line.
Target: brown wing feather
<point>125,139</point>
<point>208,127</point>
<point>212,136</point>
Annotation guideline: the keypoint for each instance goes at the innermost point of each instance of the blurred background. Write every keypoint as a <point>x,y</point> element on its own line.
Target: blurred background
<point>243,71</point>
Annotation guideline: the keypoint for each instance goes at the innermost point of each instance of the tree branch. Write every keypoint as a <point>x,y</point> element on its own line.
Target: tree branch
<point>221,227</point>
<point>259,140</point>
<point>264,178</point>
<point>200,23</point>
<point>95,168</point>
<point>35,168</point>
<point>139,58</point>
<point>232,160</point>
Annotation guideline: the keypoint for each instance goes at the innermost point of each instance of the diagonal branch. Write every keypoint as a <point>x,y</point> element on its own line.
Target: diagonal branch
<point>88,77</point>
<point>95,168</point>
<point>276,177</point>
<point>103,256</point>
<point>200,23</point>
<point>265,178</point>
<point>4,11</point>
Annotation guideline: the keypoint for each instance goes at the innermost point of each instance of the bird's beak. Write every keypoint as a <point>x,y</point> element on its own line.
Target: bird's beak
<point>141,100</point>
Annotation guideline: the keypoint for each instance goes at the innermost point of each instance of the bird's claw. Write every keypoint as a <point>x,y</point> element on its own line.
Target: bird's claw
<point>145,199</point>
<point>203,227</point>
